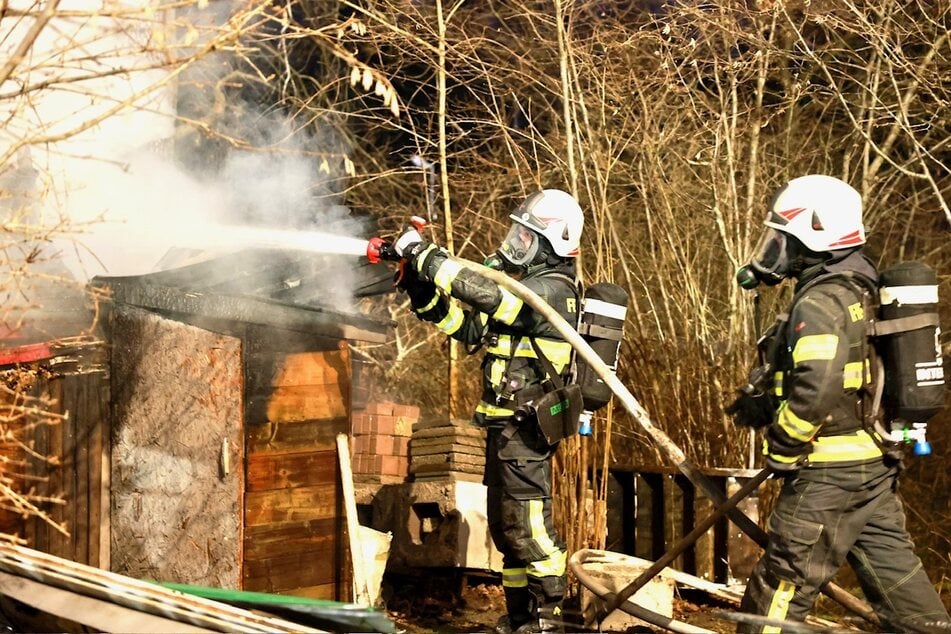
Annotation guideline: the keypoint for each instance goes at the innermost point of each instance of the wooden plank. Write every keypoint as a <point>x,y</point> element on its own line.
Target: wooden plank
<point>289,505</point>
<point>104,535</point>
<point>684,499</point>
<point>325,591</point>
<point>290,571</point>
<point>289,436</point>
<point>57,441</point>
<point>269,471</point>
<point>286,538</point>
<point>94,474</point>
<point>75,607</point>
<point>301,403</point>
<point>81,424</point>
<point>361,590</point>
<point>267,339</point>
<point>64,476</point>
<point>704,548</point>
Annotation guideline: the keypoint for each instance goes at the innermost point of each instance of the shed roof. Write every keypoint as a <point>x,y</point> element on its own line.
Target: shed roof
<point>294,290</point>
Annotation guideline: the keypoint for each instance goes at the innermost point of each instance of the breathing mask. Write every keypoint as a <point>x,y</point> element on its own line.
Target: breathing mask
<point>772,260</point>
<point>777,256</point>
<point>519,248</point>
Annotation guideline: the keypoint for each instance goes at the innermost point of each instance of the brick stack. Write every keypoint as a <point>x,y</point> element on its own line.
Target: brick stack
<point>380,443</point>
<point>447,449</point>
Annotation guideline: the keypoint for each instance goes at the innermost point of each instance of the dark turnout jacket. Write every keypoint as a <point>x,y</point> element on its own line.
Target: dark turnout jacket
<point>501,321</point>
<point>821,365</point>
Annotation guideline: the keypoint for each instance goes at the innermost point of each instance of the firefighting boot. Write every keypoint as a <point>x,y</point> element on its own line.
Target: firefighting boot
<point>520,604</point>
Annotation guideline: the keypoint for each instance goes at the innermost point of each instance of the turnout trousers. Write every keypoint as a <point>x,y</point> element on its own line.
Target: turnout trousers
<point>519,508</point>
<point>830,517</point>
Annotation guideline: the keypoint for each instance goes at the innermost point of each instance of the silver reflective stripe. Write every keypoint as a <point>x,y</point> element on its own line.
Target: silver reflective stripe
<point>909,294</point>
<point>607,309</point>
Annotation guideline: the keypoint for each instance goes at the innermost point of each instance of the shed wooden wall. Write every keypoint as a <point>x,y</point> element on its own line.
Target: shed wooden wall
<point>75,382</point>
<point>298,400</point>
<point>177,487</point>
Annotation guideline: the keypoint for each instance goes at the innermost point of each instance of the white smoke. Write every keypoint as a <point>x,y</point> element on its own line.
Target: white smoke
<point>119,185</point>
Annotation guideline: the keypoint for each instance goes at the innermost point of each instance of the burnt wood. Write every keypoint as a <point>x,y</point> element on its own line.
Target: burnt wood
<point>294,291</point>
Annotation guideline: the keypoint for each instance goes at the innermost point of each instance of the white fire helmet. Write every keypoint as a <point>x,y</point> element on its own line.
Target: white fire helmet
<point>823,212</point>
<point>552,213</point>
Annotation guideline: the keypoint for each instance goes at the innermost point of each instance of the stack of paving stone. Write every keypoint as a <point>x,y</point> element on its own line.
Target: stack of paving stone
<point>380,443</point>
<point>442,449</point>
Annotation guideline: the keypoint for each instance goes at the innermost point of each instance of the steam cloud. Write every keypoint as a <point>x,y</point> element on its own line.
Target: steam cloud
<point>150,203</point>
<point>135,200</point>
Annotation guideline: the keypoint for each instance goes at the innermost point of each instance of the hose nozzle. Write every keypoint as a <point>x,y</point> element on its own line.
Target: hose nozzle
<point>379,249</point>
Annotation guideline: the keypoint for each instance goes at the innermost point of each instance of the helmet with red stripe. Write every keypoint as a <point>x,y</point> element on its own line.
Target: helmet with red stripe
<point>549,221</point>
<point>810,219</point>
<point>822,212</point>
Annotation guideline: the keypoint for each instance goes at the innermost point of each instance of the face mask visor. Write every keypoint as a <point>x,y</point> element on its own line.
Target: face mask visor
<point>520,246</point>
<point>770,261</point>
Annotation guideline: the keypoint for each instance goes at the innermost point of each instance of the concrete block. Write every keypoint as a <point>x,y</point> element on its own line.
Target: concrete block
<point>438,523</point>
<point>656,595</point>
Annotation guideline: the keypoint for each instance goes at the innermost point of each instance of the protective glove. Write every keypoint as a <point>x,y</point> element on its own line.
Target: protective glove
<point>420,291</point>
<point>409,243</point>
<point>751,410</point>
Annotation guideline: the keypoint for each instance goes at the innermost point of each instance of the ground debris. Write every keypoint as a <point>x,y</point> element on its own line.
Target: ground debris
<point>447,601</point>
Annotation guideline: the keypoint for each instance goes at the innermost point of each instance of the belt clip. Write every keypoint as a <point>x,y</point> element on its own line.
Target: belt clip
<point>507,392</point>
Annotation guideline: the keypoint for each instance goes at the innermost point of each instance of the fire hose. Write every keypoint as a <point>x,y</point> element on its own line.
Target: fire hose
<point>634,408</point>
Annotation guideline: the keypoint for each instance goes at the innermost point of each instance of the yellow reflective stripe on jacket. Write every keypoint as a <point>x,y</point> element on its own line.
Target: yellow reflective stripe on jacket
<point>453,319</point>
<point>493,411</point>
<point>508,308</point>
<point>845,448</point>
<point>514,577</point>
<point>497,371</point>
<point>501,346</point>
<point>853,375</point>
<point>421,257</point>
<point>558,352</point>
<point>815,347</point>
<point>778,384</point>
<point>795,427</point>
<point>779,605</point>
<point>446,273</point>
<point>432,304</point>
<point>778,457</point>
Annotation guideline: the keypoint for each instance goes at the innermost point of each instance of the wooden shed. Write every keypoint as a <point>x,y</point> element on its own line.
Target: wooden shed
<point>230,380</point>
<point>55,447</point>
<point>54,396</point>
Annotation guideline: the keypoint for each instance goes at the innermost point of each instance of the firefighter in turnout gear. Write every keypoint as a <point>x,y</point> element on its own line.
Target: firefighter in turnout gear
<point>839,500</point>
<point>539,250</point>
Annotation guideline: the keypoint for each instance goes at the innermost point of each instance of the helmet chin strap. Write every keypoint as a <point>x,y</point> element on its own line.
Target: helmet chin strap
<point>803,259</point>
